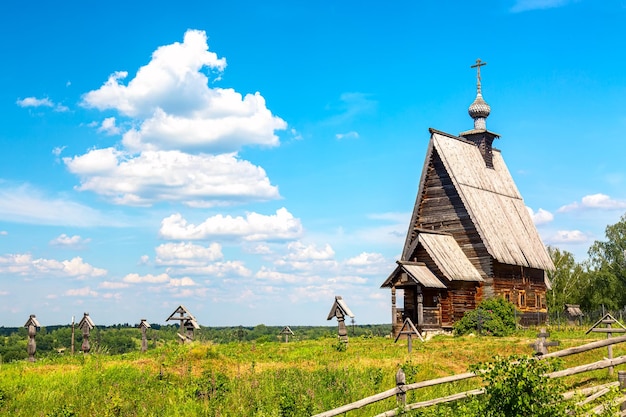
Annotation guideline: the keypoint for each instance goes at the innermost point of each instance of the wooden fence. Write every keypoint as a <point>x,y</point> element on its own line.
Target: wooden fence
<point>594,392</point>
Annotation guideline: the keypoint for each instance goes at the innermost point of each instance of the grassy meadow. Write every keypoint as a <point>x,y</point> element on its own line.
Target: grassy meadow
<point>299,378</point>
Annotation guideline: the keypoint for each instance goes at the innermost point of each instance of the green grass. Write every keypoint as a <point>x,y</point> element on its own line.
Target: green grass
<point>257,379</point>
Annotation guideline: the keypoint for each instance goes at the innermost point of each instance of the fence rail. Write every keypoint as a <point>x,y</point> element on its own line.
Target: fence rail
<point>401,390</point>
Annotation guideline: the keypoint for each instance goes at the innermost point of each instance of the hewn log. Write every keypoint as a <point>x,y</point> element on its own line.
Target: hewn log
<point>584,348</point>
<point>589,367</point>
<point>390,393</point>
<point>429,403</point>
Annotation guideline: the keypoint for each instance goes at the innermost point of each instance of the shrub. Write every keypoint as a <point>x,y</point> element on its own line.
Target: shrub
<point>518,386</point>
<point>494,317</point>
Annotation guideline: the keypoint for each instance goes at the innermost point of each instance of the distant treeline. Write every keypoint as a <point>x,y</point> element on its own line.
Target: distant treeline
<point>123,338</point>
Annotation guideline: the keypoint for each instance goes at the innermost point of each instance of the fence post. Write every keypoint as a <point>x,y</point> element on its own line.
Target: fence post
<point>621,377</point>
<point>400,382</point>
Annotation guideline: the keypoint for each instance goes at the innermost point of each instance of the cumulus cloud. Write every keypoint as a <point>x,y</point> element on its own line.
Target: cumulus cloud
<point>197,180</point>
<point>594,201</point>
<point>171,99</point>
<point>541,216</point>
<point>254,227</point>
<point>64,240</point>
<point>41,102</point>
<point>227,269</point>
<point>146,279</point>
<point>113,285</point>
<point>184,136</point>
<point>81,292</point>
<point>187,254</point>
<point>35,102</point>
<point>25,265</point>
<point>568,236</point>
<point>299,251</point>
<point>108,126</point>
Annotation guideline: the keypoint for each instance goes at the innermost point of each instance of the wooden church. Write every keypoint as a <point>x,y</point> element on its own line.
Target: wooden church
<point>471,236</point>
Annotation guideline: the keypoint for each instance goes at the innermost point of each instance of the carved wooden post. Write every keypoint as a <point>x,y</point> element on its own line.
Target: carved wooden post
<point>621,377</point>
<point>340,310</point>
<point>86,324</point>
<point>144,326</point>
<point>187,322</point>
<point>400,382</point>
<point>286,331</point>
<point>32,324</point>
<point>394,309</point>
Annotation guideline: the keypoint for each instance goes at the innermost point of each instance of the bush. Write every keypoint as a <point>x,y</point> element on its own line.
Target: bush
<point>518,386</point>
<point>494,317</point>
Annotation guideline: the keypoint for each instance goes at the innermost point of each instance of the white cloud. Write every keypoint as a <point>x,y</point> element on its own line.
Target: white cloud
<point>541,216</point>
<point>228,269</point>
<point>113,285</point>
<point>526,5</point>
<point>146,279</point>
<point>41,102</point>
<point>69,241</point>
<point>24,265</point>
<point>176,108</point>
<point>108,126</point>
<point>198,180</point>
<point>568,236</point>
<point>300,252</point>
<point>3,233</point>
<point>181,282</point>
<point>81,292</point>
<point>35,102</point>
<point>366,259</point>
<point>349,135</point>
<point>187,254</point>
<point>594,201</point>
<point>254,227</point>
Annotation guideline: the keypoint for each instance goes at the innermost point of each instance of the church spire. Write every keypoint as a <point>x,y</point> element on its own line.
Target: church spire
<point>479,110</point>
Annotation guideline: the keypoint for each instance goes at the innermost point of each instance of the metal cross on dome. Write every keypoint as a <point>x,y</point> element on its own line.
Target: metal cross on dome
<point>478,64</point>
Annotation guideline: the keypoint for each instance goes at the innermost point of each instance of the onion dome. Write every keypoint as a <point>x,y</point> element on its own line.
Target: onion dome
<point>479,110</point>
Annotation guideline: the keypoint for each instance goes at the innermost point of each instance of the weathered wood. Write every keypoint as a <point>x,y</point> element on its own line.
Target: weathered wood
<point>430,403</point>
<point>587,391</point>
<point>390,393</point>
<point>400,383</point>
<point>608,330</point>
<point>603,364</point>
<point>584,348</point>
<point>32,325</point>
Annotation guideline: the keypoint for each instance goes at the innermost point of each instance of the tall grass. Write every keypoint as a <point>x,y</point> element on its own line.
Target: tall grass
<point>249,379</point>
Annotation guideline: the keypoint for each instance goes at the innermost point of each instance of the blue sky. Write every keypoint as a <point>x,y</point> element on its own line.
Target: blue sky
<point>251,160</point>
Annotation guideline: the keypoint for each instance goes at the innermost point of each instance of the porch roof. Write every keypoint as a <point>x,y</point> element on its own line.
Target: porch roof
<point>408,273</point>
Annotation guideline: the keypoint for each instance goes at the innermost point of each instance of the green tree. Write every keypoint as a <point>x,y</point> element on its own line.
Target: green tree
<point>608,268</point>
<point>568,280</point>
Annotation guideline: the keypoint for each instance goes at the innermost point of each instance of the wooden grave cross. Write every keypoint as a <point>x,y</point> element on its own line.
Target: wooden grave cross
<point>144,326</point>
<point>187,322</point>
<point>409,332</point>
<point>86,324</point>
<point>32,325</point>
<point>340,310</point>
<point>608,320</point>
<point>541,345</point>
<point>286,331</point>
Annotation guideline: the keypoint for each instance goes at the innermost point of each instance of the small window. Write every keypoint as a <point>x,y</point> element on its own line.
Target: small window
<point>521,299</point>
<point>538,300</point>
<point>507,296</point>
